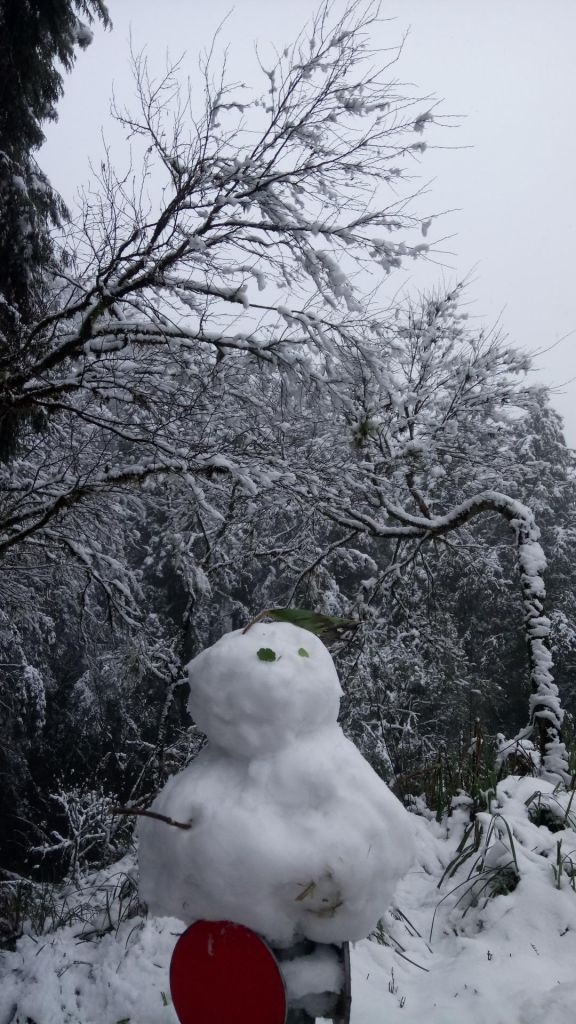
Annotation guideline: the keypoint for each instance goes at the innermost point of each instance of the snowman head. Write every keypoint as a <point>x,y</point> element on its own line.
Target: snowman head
<point>255,692</point>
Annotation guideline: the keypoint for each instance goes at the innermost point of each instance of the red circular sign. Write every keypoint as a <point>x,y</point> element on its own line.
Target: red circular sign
<point>223,973</point>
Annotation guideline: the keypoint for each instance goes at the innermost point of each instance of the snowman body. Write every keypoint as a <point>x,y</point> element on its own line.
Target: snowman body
<point>292,832</point>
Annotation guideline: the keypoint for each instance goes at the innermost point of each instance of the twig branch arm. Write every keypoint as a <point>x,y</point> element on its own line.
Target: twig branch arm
<point>136,813</point>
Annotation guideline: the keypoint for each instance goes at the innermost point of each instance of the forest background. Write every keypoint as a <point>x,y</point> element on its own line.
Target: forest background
<point>209,409</point>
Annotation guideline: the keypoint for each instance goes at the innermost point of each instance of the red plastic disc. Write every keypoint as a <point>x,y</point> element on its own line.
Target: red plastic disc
<point>223,973</point>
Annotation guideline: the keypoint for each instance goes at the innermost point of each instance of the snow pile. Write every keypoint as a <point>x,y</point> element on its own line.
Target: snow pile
<point>292,833</point>
<point>496,941</point>
<point>121,977</point>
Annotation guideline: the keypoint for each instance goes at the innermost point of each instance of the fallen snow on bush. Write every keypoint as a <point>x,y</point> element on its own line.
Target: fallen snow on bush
<point>497,940</point>
<point>504,958</point>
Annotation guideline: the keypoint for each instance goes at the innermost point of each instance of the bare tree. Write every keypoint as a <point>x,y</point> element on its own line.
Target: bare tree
<point>162,315</point>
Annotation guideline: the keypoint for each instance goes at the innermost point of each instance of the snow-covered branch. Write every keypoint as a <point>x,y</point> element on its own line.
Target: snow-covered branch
<point>170,314</point>
<point>546,714</point>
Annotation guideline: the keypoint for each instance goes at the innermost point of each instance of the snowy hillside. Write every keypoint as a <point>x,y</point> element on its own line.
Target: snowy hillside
<point>495,943</point>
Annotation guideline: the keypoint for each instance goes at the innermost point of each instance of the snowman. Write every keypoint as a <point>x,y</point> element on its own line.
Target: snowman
<point>292,833</point>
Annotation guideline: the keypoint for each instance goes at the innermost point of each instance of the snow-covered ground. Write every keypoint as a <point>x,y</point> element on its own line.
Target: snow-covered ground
<point>507,959</point>
<point>449,955</point>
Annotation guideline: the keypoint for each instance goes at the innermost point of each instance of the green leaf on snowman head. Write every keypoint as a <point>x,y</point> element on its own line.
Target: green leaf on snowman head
<point>303,652</point>
<point>328,627</point>
<point>266,654</point>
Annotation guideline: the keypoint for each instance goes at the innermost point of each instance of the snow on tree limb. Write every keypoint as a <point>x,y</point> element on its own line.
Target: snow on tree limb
<point>159,301</point>
<point>546,713</point>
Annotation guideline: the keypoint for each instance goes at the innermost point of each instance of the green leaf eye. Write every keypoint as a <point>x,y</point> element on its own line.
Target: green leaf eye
<point>266,654</point>
<point>303,652</point>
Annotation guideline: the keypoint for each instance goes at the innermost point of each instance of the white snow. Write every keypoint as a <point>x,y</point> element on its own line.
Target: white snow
<point>292,833</point>
<point>507,959</point>
<point>253,707</point>
<point>504,959</point>
<point>320,971</point>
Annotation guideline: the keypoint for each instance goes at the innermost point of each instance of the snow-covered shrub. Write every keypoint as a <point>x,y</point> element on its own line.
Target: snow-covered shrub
<point>528,834</point>
<point>465,777</point>
<point>552,809</point>
<point>88,834</point>
<point>94,904</point>
<point>517,756</point>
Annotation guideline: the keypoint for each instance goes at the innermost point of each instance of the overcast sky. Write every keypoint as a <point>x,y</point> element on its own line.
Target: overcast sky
<point>508,172</point>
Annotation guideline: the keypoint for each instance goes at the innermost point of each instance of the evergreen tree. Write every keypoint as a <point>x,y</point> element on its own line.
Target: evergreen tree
<point>37,37</point>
